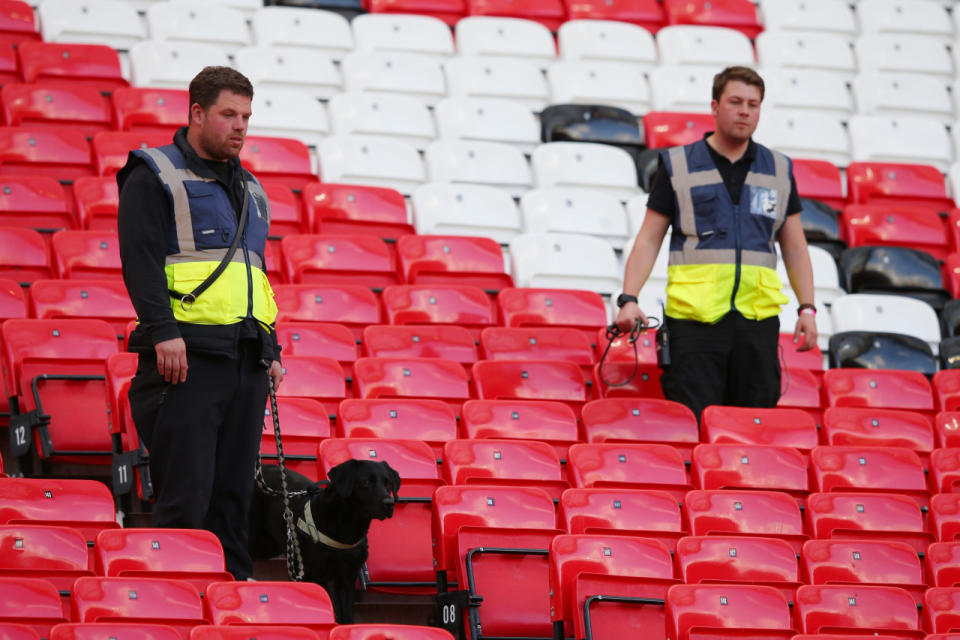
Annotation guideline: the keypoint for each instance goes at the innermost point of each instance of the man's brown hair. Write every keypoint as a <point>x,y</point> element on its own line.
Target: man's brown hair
<point>745,75</point>
<point>206,86</point>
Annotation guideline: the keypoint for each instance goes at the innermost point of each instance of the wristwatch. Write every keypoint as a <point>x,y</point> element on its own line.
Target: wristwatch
<point>624,298</point>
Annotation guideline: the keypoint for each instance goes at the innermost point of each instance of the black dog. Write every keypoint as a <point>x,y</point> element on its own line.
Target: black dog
<point>331,523</point>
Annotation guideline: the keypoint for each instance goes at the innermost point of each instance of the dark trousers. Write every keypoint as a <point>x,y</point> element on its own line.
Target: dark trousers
<point>203,436</point>
<point>734,362</point>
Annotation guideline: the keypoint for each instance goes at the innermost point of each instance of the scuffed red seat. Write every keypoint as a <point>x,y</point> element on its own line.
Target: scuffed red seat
<point>628,466</point>
<point>285,160</point>
<point>873,516</point>
<point>512,463</point>
<point>466,305</point>
<point>300,604</point>
<point>750,466</point>
<point>673,128</point>
<point>338,259</point>
<point>314,377</point>
<point>898,183</point>
<point>941,609</point>
<point>347,208</point>
<point>80,108</point>
<point>105,300</point>
<point>942,563</point>
<point>895,225</point>
<point>354,306</point>
<point>436,378</point>
<point>38,202</point>
<point>819,179</point>
<point>149,109</point>
<point>305,423</point>
<point>62,155</point>
<point>31,602</point>
<point>17,22</point>
<point>86,254</point>
<point>420,341</point>
<point>553,423</point>
<point>23,256</point>
<point>96,200</point>
<point>431,421</point>
<point>945,470</point>
<point>869,468</point>
<point>853,608</point>
<point>111,148</point>
<point>530,380</point>
<point>945,516</point>
<point>647,420</point>
<point>852,426</point>
<point>856,562</point>
<point>133,599</point>
<point>534,307</point>
<point>96,65</point>
<point>748,425</point>
<point>433,259</point>
<point>750,612</point>
<point>771,514</point>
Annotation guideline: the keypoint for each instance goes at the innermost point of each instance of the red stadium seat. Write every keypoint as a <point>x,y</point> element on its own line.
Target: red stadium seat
<point>345,208</point>
<point>56,554</point>
<point>898,183</point>
<point>872,516</point>
<point>432,421</point>
<point>466,305</point>
<point>751,612</point>
<point>436,378</point>
<point>472,260</point>
<point>17,22</point>
<point>81,108</point>
<point>738,560</point>
<point>314,377</point>
<point>32,602</point>
<point>530,380</point>
<point>338,259</point>
<point>869,468</point>
<point>946,389</point>
<point>86,254</point>
<point>626,379</point>
<point>851,609</point>
<point>12,305</point>
<point>946,429</point>
<point>286,215</point>
<point>450,11</point>
<point>628,466</point>
<point>553,423</point>
<point>131,467</point>
<point>69,63</point>
<point>648,420</point>
<point>392,631</point>
<point>133,599</point>
<point>111,148</point>
<point>671,129</point>
<point>748,425</point>
<point>942,563</point>
<point>245,632</point>
<point>895,225</point>
<point>191,555</point>
<point>819,179</point>
<point>733,14</point>
<point>62,155</point>
<point>549,13</point>
<point>327,339</point>
<point>614,578</point>
<point>352,305</point>
<point>401,554</point>
<point>645,13</point>
<point>56,369</point>
<point>150,110</point>
<point>945,516</point>
<point>882,427</point>
<point>530,307</point>
<point>940,609</point>
<point>771,514</point>
<point>856,562</point>
<point>420,341</point>
<point>9,66</point>
<point>284,160</point>
<point>945,470</point>
<point>23,255</point>
<point>97,299</point>
<point>37,202</point>
<point>96,200</point>
<point>305,423</point>
<point>541,343</point>
<point>512,463</point>
<point>301,604</point>
<point>802,392</point>
<point>628,512</point>
<point>750,466</point>
<point>888,388</point>
<point>127,631</point>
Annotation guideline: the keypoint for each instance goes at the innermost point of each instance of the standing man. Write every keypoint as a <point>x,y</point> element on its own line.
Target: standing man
<point>729,200</point>
<point>205,314</point>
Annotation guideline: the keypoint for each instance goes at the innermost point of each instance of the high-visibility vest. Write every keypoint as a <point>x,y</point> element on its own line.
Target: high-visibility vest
<point>205,223</point>
<point>722,254</point>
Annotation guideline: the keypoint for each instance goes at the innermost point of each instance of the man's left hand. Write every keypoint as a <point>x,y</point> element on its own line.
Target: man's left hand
<point>276,372</point>
<point>807,330</point>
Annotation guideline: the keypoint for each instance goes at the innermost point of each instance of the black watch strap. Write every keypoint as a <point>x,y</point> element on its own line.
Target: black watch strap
<point>624,298</point>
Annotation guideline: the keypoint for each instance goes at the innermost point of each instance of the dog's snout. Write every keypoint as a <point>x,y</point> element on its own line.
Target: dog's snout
<point>388,501</point>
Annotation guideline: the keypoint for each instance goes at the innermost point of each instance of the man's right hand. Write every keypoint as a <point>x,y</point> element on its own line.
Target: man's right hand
<point>172,360</point>
<point>628,316</point>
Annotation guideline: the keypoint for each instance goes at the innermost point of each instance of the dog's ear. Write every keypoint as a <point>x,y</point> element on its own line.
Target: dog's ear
<point>394,480</point>
<point>343,477</point>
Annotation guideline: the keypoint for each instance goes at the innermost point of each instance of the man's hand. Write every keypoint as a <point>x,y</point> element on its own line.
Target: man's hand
<point>628,316</point>
<point>806,327</point>
<point>172,360</point>
<point>276,372</point>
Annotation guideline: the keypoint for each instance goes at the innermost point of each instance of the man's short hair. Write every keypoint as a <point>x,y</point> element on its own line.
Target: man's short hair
<point>206,86</point>
<point>745,75</point>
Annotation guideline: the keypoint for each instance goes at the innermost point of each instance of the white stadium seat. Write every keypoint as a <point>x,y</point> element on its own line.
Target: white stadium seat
<point>110,22</point>
<point>636,209</point>
<point>715,47</point>
<point>171,64</point>
<point>826,278</point>
<point>922,17</point>
<point>823,16</point>
<point>788,318</point>
<point>477,162</point>
<point>903,94</point>
<point>466,210</point>
<point>588,165</point>
<point>247,7</point>
<point>904,53</point>
<point>282,68</point>
<point>490,119</point>
<point>372,161</point>
<point>425,35</point>
<point>513,38</point>
<point>891,313</point>
<point>682,88</point>
<point>805,134</point>
<point>207,23</point>
<point>287,113</point>
<point>516,80</point>
<point>582,211</point>
<point>402,117</point>
<point>595,82</point>
<point>314,29</point>
<point>807,89</point>
<point>607,40</point>
<point>825,51</point>
<point>900,139</point>
<point>564,261</point>
<point>402,73</point>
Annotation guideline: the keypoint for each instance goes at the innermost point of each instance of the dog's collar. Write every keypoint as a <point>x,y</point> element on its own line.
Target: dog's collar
<point>309,527</point>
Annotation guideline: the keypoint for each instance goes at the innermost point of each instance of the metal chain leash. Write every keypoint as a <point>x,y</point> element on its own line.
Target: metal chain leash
<point>294,557</point>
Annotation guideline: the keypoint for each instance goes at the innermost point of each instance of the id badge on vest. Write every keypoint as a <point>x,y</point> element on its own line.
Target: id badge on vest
<point>763,202</point>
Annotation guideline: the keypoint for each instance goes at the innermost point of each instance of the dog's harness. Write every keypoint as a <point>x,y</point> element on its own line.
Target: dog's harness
<point>308,525</point>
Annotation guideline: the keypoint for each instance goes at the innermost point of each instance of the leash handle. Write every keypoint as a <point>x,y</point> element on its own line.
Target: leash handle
<point>612,333</point>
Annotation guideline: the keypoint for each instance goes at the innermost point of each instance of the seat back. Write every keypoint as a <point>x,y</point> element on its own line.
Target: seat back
<point>434,259</point>
<point>31,602</point>
<point>546,421</point>
<point>869,468</point>
<point>738,560</point>
<point>86,254</point>
<point>771,514</point>
<point>452,342</point>
<point>148,600</point>
<point>844,608</point>
<point>696,611</point>
<point>646,513</point>
<point>629,466</point>
<point>650,420</point>
<point>352,305</point>
<point>524,463</point>
<point>750,466</point>
<point>58,62</point>
<point>888,562</point>
<point>781,427</point>
<point>432,421</point>
<point>301,604</point>
<point>874,516</point>
<point>346,208</point>
<point>338,259</point>
<point>145,109</point>
<point>465,305</point>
